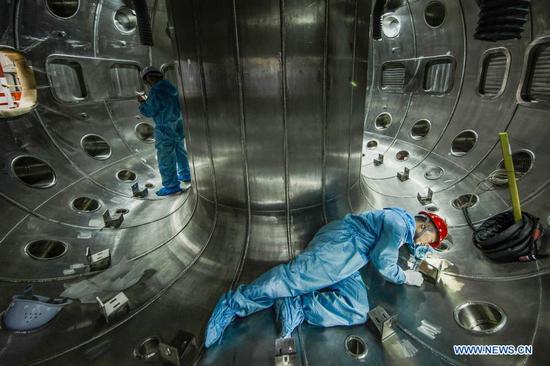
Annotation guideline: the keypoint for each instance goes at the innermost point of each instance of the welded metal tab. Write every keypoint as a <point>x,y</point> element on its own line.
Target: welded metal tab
<point>285,351</point>
<point>182,350</point>
<point>430,272</point>
<point>98,261</point>
<point>112,222</point>
<point>136,192</point>
<point>115,307</point>
<point>379,161</point>
<point>403,176</point>
<point>425,199</point>
<point>383,322</point>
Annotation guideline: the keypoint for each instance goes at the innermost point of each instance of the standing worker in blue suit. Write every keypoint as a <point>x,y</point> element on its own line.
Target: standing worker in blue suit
<point>163,105</point>
<point>322,285</point>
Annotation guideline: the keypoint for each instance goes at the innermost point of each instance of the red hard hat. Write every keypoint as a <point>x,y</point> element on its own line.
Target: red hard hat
<point>440,225</point>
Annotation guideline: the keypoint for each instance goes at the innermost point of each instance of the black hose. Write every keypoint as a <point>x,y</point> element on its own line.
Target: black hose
<point>502,239</point>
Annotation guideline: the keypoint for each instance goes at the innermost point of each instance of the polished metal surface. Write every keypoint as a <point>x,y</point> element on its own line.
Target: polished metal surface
<point>286,105</point>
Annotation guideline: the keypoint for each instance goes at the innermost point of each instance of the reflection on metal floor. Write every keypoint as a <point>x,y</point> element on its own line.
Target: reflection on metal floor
<point>287,105</point>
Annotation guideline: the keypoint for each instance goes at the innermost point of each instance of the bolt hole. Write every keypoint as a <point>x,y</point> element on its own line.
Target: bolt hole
<point>46,249</point>
<point>356,346</point>
<point>147,349</point>
<point>125,20</point>
<point>126,175</point>
<point>96,147</point>
<point>465,201</point>
<point>372,144</point>
<point>402,155</point>
<point>383,121</point>
<point>122,211</point>
<point>433,173</point>
<point>480,317</point>
<point>145,132</point>
<point>149,185</point>
<point>86,204</point>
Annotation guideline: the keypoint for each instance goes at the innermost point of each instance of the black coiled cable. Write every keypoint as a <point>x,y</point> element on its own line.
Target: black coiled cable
<point>502,239</point>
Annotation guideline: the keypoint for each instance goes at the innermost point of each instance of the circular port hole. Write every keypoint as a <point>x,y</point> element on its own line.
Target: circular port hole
<point>383,121</point>
<point>432,208</point>
<point>402,155</point>
<point>147,349</point>
<point>443,247</point>
<point>63,8</point>
<point>390,26</point>
<point>96,147</point>
<point>33,172</point>
<point>434,14</point>
<point>465,201</point>
<point>523,161</point>
<point>126,175</point>
<point>420,129</point>
<point>149,185</point>
<point>433,173</point>
<point>463,143</point>
<point>86,204</point>
<point>122,211</point>
<point>145,132</point>
<point>480,317</point>
<point>372,144</point>
<point>46,249</point>
<point>125,20</point>
<point>356,346</point>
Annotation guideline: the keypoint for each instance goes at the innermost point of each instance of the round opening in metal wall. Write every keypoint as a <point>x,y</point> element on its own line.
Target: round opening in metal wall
<point>125,20</point>
<point>149,185</point>
<point>86,204</point>
<point>356,346</point>
<point>147,349</point>
<point>433,173</point>
<point>390,26</point>
<point>122,211</point>
<point>145,132</point>
<point>465,201</point>
<point>383,121</point>
<point>432,208</point>
<point>420,129</point>
<point>480,317</point>
<point>372,144</point>
<point>33,172</point>
<point>96,147</point>
<point>463,143</point>
<point>402,155</point>
<point>46,249</point>
<point>126,175</point>
<point>63,8</point>
<point>443,247</point>
<point>434,14</point>
<point>523,161</point>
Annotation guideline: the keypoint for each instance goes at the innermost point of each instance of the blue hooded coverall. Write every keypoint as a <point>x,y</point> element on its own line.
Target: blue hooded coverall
<point>322,285</point>
<point>163,105</point>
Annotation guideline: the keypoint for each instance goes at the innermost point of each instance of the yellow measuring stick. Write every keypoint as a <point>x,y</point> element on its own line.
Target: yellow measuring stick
<point>509,166</point>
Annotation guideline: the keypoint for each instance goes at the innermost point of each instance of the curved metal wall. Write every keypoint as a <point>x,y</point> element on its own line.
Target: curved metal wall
<point>280,100</point>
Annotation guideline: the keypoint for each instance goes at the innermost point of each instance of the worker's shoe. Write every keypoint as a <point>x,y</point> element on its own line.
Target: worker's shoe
<point>221,317</point>
<point>169,191</point>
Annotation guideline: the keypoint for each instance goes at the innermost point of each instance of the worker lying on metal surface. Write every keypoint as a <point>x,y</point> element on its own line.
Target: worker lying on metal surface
<point>322,285</point>
<point>163,105</point>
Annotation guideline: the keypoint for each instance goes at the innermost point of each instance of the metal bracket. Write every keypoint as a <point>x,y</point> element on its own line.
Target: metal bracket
<point>183,353</point>
<point>384,323</point>
<point>379,161</point>
<point>115,307</point>
<point>136,192</point>
<point>285,352</point>
<point>431,273</point>
<point>427,199</point>
<point>98,261</point>
<point>112,222</point>
<point>403,176</point>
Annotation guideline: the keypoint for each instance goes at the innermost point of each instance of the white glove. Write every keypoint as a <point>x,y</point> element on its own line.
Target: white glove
<point>413,278</point>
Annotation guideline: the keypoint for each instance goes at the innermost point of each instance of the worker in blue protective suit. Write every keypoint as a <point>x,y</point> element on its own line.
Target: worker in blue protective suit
<point>163,105</point>
<point>322,285</point>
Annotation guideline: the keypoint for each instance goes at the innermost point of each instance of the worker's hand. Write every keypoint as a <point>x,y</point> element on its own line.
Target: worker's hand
<point>140,98</point>
<point>413,278</point>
